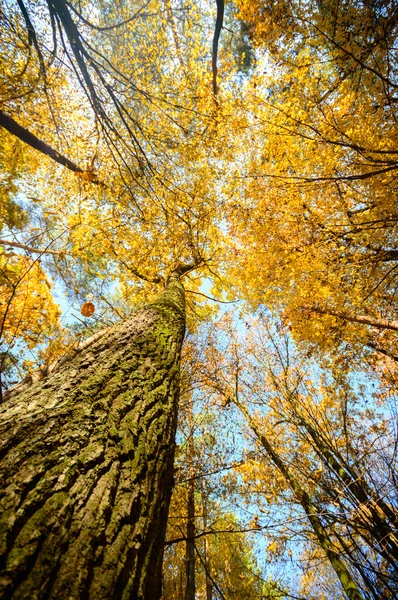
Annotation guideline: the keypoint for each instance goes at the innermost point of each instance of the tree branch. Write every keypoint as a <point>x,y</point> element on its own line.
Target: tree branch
<point>216,37</point>
<point>211,532</point>
<point>30,248</point>
<point>29,138</point>
<point>109,27</point>
<point>214,299</point>
<point>382,351</point>
<point>137,273</point>
<point>354,318</point>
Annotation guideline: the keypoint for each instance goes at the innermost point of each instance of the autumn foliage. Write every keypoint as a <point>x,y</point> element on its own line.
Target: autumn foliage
<point>118,161</point>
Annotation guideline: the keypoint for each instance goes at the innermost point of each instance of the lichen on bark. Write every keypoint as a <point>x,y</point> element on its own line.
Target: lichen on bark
<point>86,465</point>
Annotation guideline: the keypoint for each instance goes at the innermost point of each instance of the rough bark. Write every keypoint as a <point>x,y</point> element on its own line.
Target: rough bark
<point>86,465</point>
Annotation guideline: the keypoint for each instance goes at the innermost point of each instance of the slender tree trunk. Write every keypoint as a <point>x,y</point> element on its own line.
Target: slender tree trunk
<point>209,587</point>
<point>349,585</point>
<point>13,244</point>
<point>376,513</point>
<point>190,543</point>
<point>87,462</point>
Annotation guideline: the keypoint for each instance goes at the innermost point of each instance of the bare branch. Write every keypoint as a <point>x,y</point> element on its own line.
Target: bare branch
<point>216,37</point>
<point>30,248</point>
<point>29,138</point>
<point>214,299</point>
<point>355,318</point>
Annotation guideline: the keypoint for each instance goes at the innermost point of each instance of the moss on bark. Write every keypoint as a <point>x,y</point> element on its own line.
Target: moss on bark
<point>86,465</point>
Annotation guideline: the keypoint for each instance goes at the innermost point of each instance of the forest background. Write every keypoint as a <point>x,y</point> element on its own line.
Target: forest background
<point>131,143</point>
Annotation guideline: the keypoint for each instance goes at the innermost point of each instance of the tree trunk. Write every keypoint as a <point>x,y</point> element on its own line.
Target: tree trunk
<point>349,585</point>
<point>190,542</point>
<point>206,559</point>
<point>378,518</point>
<point>87,463</point>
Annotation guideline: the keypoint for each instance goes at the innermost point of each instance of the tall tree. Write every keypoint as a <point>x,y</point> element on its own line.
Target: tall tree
<point>117,134</point>
<point>87,459</point>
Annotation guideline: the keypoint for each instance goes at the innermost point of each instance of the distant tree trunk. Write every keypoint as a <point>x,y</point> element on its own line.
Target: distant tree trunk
<point>206,559</point>
<point>377,517</point>
<point>190,542</point>
<point>87,463</point>
<point>349,585</point>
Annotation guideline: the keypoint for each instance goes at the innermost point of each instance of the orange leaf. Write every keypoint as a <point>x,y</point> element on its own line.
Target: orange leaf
<point>87,309</point>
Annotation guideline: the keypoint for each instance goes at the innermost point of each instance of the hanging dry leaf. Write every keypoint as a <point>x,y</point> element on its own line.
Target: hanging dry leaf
<point>87,309</point>
<point>87,175</point>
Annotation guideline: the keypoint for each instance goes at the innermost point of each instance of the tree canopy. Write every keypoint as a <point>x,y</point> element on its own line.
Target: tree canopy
<point>252,148</point>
